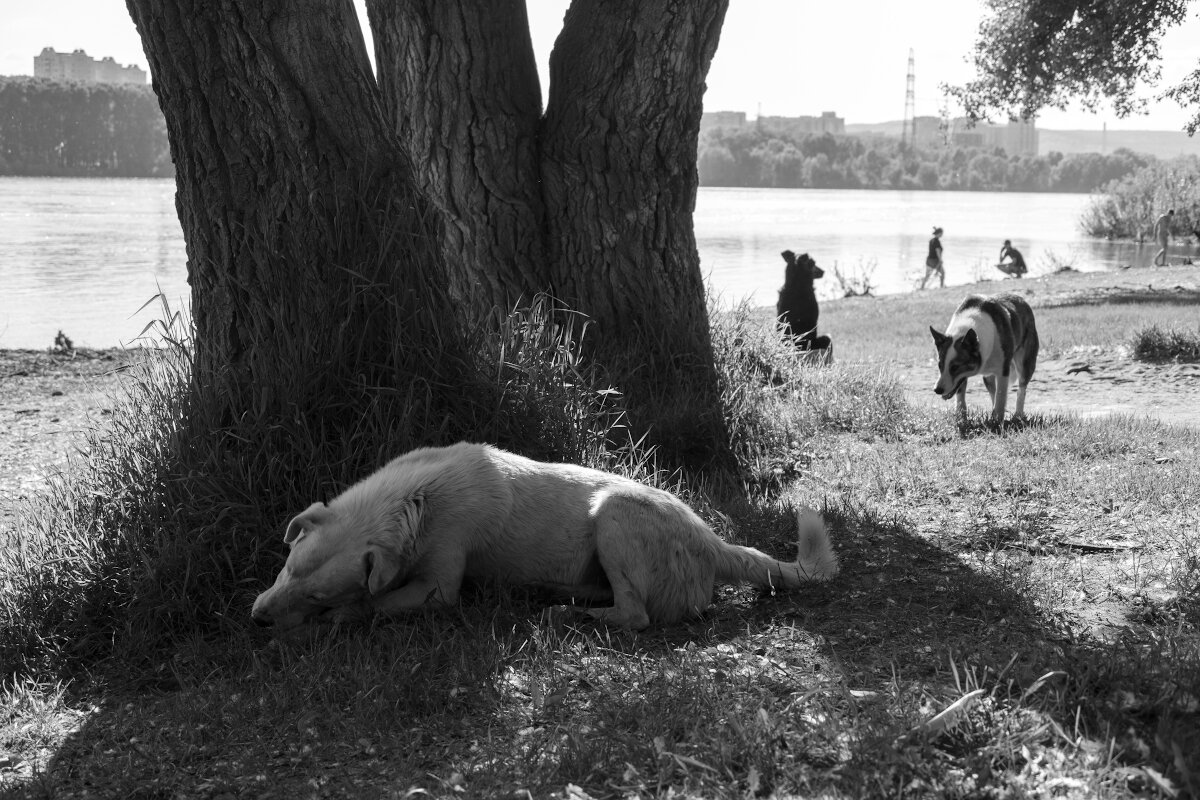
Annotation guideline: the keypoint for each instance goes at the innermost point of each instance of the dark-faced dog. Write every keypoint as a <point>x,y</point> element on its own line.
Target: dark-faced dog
<point>989,336</point>
<point>797,307</point>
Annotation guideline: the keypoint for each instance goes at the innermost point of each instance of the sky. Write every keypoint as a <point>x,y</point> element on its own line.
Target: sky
<point>777,57</point>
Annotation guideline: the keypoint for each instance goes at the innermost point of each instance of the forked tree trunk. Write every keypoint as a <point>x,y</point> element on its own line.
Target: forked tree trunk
<point>592,202</point>
<point>310,254</point>
<point>460,86</point>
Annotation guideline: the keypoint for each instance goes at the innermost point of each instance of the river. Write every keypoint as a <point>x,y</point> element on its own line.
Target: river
<point>85,255</point>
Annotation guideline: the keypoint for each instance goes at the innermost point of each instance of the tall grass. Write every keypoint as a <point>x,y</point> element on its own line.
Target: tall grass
<point>164,527</point>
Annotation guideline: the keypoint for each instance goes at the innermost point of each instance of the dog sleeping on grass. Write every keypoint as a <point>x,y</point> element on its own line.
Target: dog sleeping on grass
<point>407,535</point>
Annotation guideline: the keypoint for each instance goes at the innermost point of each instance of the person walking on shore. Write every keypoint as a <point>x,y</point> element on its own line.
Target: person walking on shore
<point>1016,266</point>
<point>933,261</point>
<point>1162,233</point>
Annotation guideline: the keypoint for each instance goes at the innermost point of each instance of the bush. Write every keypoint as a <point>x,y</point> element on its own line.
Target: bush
<point>1127,208</point>
<point>1166,344</point>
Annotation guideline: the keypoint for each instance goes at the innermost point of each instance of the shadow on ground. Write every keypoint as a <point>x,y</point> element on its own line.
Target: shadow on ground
<point>497,696</point>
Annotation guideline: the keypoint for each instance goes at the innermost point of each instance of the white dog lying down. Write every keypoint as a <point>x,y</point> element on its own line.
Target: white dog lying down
<point>408,534</point>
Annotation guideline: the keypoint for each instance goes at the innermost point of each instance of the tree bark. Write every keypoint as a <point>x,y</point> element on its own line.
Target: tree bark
<point>461,89</point>
<point>309,252</point>
<point>593,201</point>
<point>619,172</point>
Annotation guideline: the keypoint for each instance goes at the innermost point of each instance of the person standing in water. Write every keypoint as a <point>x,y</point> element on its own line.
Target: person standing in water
<point>1016,266</point>
<point>1162,232</point>
<point>933,261</point>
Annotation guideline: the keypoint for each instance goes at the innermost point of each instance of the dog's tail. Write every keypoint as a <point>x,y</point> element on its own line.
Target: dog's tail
<point>815,560</point>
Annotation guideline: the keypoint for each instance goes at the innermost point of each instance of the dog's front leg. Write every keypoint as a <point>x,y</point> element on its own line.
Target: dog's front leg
<point>1001,398</point>
<point>961,394</point>
<point>435,582</point>
<point>413,595</point>
<point>349,613</point>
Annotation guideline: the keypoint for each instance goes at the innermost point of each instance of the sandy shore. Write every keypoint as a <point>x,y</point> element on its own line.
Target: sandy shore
<point>47,401</point>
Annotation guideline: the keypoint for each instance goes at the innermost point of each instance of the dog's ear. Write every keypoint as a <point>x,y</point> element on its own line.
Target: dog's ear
<point>380,565</point>
<point>789,257</point>
<point>970,342</point>
<point>305,521</point>
<point>938,336</point>
<point>383,560</point>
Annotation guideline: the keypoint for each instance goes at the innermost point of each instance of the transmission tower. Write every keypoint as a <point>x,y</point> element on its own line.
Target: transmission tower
<point>910,106</point>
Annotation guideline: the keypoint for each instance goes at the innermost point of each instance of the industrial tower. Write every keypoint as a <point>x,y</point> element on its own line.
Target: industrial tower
<point>910,106</point>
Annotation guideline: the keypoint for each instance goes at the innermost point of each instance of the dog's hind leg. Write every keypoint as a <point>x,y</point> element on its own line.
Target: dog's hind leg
<point>1022,384</point>
<point>1025,363</point>
<point>657,567</point>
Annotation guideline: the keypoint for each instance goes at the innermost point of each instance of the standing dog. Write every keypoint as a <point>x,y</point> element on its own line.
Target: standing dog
<point>408,534</point>
<point>797,306</point>
<point>988,336</point>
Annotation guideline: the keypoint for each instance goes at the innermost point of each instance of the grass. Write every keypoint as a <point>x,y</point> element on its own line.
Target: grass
<point>1156,343</point>
<point>1042,576</point>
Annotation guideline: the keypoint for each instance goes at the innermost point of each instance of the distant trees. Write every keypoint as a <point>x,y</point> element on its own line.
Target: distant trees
<point>753,157</point>
<point>81,129</point>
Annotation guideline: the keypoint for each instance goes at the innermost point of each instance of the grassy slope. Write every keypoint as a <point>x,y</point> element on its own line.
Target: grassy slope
<point>1051,566</point>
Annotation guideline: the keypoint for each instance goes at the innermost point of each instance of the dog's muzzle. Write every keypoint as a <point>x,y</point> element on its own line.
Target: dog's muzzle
<point>947,395</point>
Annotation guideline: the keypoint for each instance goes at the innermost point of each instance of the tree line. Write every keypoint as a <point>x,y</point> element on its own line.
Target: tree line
<point>756,157</point>
<point>81,130</point>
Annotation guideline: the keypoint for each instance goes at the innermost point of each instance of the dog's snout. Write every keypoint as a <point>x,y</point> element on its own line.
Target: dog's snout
<point>261,618</point>
<point>937,390</point>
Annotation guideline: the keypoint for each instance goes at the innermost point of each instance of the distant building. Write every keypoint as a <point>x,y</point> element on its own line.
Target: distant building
<point>1018,138</point>
<point>722,119</point>
<point>79,66</point>
<point>828,122</point>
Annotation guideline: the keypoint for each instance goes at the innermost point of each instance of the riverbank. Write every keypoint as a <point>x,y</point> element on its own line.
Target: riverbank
<point>48,400</point>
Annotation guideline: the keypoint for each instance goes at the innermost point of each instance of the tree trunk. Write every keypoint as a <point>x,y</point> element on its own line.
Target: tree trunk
<point>619,172</point>
<point>311,257</point>
<point>594,201</point>
<point>460,86</point>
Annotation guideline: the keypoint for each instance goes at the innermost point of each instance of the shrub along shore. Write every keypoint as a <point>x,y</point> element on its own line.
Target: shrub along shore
<point>1017,612</point>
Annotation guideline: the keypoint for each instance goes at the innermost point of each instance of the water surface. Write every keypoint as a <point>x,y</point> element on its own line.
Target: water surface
<point>83,255</point>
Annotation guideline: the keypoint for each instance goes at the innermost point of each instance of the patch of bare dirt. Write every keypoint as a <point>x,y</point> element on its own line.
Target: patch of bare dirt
<point>1094,382</point>
<point>47,401</point>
